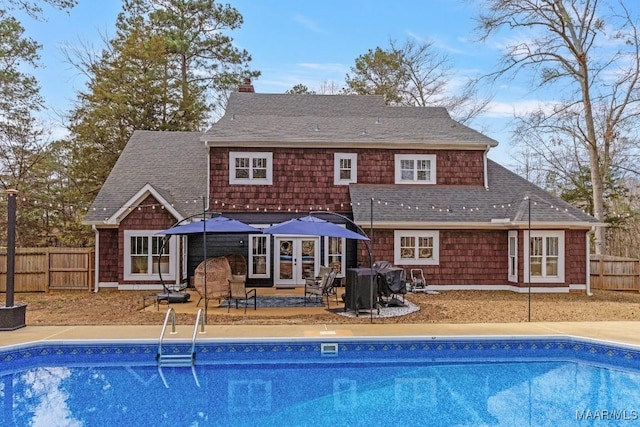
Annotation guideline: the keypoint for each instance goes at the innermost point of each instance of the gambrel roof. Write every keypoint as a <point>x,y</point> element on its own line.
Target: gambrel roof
<point>335,120</point>
<point>504,204</point>
<point>171,166</point>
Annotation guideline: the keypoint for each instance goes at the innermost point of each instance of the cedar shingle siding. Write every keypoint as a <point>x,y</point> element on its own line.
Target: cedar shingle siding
<point>304,176</point>
<point>109,255</point>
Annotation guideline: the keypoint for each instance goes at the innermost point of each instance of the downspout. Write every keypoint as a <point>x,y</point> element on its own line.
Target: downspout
<point>485,167</point>
<point>207,204</point>
<point>588,263</point>
<point>96,272</point>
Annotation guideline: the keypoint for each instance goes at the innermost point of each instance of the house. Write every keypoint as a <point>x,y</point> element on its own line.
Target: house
<point>417,182</point>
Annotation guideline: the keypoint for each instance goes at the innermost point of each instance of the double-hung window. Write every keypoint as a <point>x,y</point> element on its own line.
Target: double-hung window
<point>334,253</point>
<point>254,168</point>
<point>345,168</point>
<point>146,257</point>
<point>513,256</point>
<point>545,252</point>
<point>416,247</point>
<point>415,169</point>
<point>259,255</point>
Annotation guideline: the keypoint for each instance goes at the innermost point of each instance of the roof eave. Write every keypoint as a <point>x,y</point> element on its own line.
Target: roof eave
<point>99,224</point>
<point>457,225</point>
<point>349,143</point>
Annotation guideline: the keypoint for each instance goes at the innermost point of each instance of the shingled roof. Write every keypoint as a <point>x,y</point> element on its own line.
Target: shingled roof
<point>504,203</point>
<point>174,164</point>
<point>334,120</point>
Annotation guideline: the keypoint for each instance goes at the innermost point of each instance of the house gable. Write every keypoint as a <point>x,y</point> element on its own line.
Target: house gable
<point>138,199</point>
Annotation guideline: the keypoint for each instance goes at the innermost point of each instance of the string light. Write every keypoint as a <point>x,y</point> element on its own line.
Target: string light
<point>379,203</point>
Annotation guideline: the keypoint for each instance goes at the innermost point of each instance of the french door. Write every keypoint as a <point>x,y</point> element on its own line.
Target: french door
<point>297,259</point>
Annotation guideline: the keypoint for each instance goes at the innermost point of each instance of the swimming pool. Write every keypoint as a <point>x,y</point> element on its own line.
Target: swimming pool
<point>560,381</point>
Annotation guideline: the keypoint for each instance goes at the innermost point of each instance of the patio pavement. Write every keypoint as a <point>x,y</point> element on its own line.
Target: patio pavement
<point>624,332</point>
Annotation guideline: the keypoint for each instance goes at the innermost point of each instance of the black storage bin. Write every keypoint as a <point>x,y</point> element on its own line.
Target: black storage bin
<point>360,289</point>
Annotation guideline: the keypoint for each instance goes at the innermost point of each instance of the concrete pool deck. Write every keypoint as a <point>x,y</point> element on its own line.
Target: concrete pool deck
<point>615,332</point>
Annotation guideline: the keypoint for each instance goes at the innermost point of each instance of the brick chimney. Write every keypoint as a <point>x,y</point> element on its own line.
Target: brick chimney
<point>246,86</point>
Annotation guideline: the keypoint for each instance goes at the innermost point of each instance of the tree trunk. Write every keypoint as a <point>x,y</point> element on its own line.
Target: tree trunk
<point>598,201</point>
<point>597,182</point>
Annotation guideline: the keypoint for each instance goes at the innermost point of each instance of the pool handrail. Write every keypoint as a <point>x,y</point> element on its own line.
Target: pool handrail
<point>199,320</point>
<point>170,314</point>
<point>179,359</point>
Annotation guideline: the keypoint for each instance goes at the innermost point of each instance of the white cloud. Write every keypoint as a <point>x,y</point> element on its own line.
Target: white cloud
<point>282,82</point>
<point>307,23</point>
<point>328,67</point>
<point>509,109</point>
<point>438,43</point>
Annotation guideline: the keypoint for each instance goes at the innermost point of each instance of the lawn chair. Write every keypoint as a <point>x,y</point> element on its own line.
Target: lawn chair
<point>418,282</point>
<point>238,292</point>
<point>314,285</point>
<point>328,289</point>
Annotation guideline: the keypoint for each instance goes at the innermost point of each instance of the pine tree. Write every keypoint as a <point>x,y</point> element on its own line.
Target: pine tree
<point>169,62</point>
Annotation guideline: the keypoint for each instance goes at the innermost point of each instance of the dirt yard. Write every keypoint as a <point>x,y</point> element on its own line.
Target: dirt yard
<point>125,307</point>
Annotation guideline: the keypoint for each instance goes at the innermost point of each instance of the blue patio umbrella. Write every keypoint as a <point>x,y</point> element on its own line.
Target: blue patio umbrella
<point>219,224</point>
<point>313,226</point>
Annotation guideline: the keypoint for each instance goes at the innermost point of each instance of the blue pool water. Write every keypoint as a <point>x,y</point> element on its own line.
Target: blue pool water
<point>428,382</point>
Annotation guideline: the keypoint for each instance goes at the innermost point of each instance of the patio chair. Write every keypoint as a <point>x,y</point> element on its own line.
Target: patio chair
<point>328,290</point>
<point>217,281</point>
<point>237,263</point>
<point>314,285</point>
<point>418,282</point>
<point>238,292</point>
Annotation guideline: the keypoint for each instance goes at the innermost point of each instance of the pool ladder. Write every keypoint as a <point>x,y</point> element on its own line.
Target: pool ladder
<point>178,360</point>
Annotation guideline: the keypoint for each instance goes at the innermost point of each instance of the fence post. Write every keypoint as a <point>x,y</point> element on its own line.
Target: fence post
<point>600,274</point>
<point>12,316</point>
<point>47,274</point>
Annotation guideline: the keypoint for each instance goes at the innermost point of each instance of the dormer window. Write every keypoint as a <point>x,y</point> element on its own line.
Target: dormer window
<point>415,169</point>
<point>254,168</point>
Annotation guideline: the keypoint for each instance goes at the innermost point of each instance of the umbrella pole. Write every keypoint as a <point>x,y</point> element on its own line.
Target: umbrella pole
<point>204,252</point>
<point>164,243</point>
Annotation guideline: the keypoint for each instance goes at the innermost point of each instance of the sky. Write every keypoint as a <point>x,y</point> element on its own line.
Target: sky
<point>303,42</point>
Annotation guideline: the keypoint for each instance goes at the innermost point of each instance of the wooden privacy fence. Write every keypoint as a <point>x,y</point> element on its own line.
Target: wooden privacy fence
<point>615,273</point>
<point>48,269</point>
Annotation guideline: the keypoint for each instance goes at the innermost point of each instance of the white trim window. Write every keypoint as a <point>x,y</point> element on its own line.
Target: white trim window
<point>545,253</point>
<point>513,256</point>
<point>143,256</point>
<point>345,168</point>
<point>415,169</point>
<point>416,247</point>
<point>259,255</point>
<point>254,168</point>
<point>335,249</point>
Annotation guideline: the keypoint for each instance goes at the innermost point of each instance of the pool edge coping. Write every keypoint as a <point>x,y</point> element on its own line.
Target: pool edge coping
<point>280,339</point>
